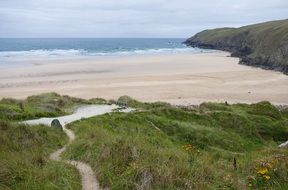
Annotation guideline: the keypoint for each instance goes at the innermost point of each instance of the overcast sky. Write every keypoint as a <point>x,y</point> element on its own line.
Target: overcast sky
<point>131,18</point>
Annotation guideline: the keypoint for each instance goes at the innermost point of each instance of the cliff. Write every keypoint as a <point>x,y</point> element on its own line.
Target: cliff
<point>263,45</point>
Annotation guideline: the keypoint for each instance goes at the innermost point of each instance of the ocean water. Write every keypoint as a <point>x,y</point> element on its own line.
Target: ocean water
<point>67,47</point>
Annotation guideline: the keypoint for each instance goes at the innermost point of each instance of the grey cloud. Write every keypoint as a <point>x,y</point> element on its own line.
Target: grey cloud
<point>130,18</point>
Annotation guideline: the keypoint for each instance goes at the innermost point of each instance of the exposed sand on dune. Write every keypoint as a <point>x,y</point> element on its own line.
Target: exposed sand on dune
<point>176,78</point>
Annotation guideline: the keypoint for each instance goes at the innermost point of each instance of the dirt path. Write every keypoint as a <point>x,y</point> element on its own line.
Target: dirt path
<point>88,178</point>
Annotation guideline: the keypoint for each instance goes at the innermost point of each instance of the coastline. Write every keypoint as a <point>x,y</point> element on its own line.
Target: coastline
<point>251,44</point>
<point>178,78</point>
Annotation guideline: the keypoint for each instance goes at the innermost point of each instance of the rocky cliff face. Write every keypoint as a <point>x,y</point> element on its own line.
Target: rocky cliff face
<point>263,45</point>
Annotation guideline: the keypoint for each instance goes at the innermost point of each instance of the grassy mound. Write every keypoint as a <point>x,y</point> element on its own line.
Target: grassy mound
<point>43,105</point>
<point>214,146</point>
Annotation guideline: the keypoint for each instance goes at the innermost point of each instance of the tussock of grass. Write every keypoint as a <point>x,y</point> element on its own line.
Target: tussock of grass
<point>128,101</point>
<point>164,147</point>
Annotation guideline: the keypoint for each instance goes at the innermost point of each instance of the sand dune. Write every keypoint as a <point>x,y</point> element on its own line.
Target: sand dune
<point>175,78</point>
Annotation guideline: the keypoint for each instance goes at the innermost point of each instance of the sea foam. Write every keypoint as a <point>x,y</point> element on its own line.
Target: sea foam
<point>82,52</point>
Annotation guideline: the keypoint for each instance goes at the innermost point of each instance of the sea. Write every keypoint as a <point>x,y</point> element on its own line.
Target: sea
<point>67,47</point>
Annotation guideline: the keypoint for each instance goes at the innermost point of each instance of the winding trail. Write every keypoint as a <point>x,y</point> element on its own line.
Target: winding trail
<point>88,178</point>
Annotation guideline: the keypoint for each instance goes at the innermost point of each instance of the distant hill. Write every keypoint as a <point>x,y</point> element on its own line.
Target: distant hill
<point>263,45</point>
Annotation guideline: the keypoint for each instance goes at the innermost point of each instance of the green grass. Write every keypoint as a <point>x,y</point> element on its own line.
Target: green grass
<point>24,162</point>
<point>43,105</point>
<point>157,147</point>
<point>24,150</point>
<point>163,147</point>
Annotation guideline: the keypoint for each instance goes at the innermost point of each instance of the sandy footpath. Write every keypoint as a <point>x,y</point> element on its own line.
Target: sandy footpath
<point>88,179</point>
<point>176,78</point>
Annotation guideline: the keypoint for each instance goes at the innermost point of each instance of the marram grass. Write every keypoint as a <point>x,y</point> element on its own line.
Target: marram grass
<point>24,159</point>
<point>212,146</point>
<point>215,146</point>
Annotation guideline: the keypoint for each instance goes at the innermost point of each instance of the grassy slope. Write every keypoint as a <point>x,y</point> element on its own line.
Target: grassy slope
<point>163,147</point>
<point>24,150</point>
<point>147,149</point>
<point>24,162</point>
<point>264,44</point>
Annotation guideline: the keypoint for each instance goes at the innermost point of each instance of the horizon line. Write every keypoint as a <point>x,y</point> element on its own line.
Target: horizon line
<point>93,37</point>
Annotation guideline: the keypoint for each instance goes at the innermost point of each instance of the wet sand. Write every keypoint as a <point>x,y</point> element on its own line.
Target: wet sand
<point>177,78</point>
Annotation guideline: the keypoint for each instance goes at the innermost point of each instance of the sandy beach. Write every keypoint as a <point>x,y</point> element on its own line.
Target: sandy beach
<point>179,78</point>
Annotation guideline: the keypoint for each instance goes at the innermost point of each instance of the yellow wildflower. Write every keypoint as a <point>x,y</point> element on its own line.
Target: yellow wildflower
<point>262,171</point>
<point>267,177</point>
<point>188,147</point>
